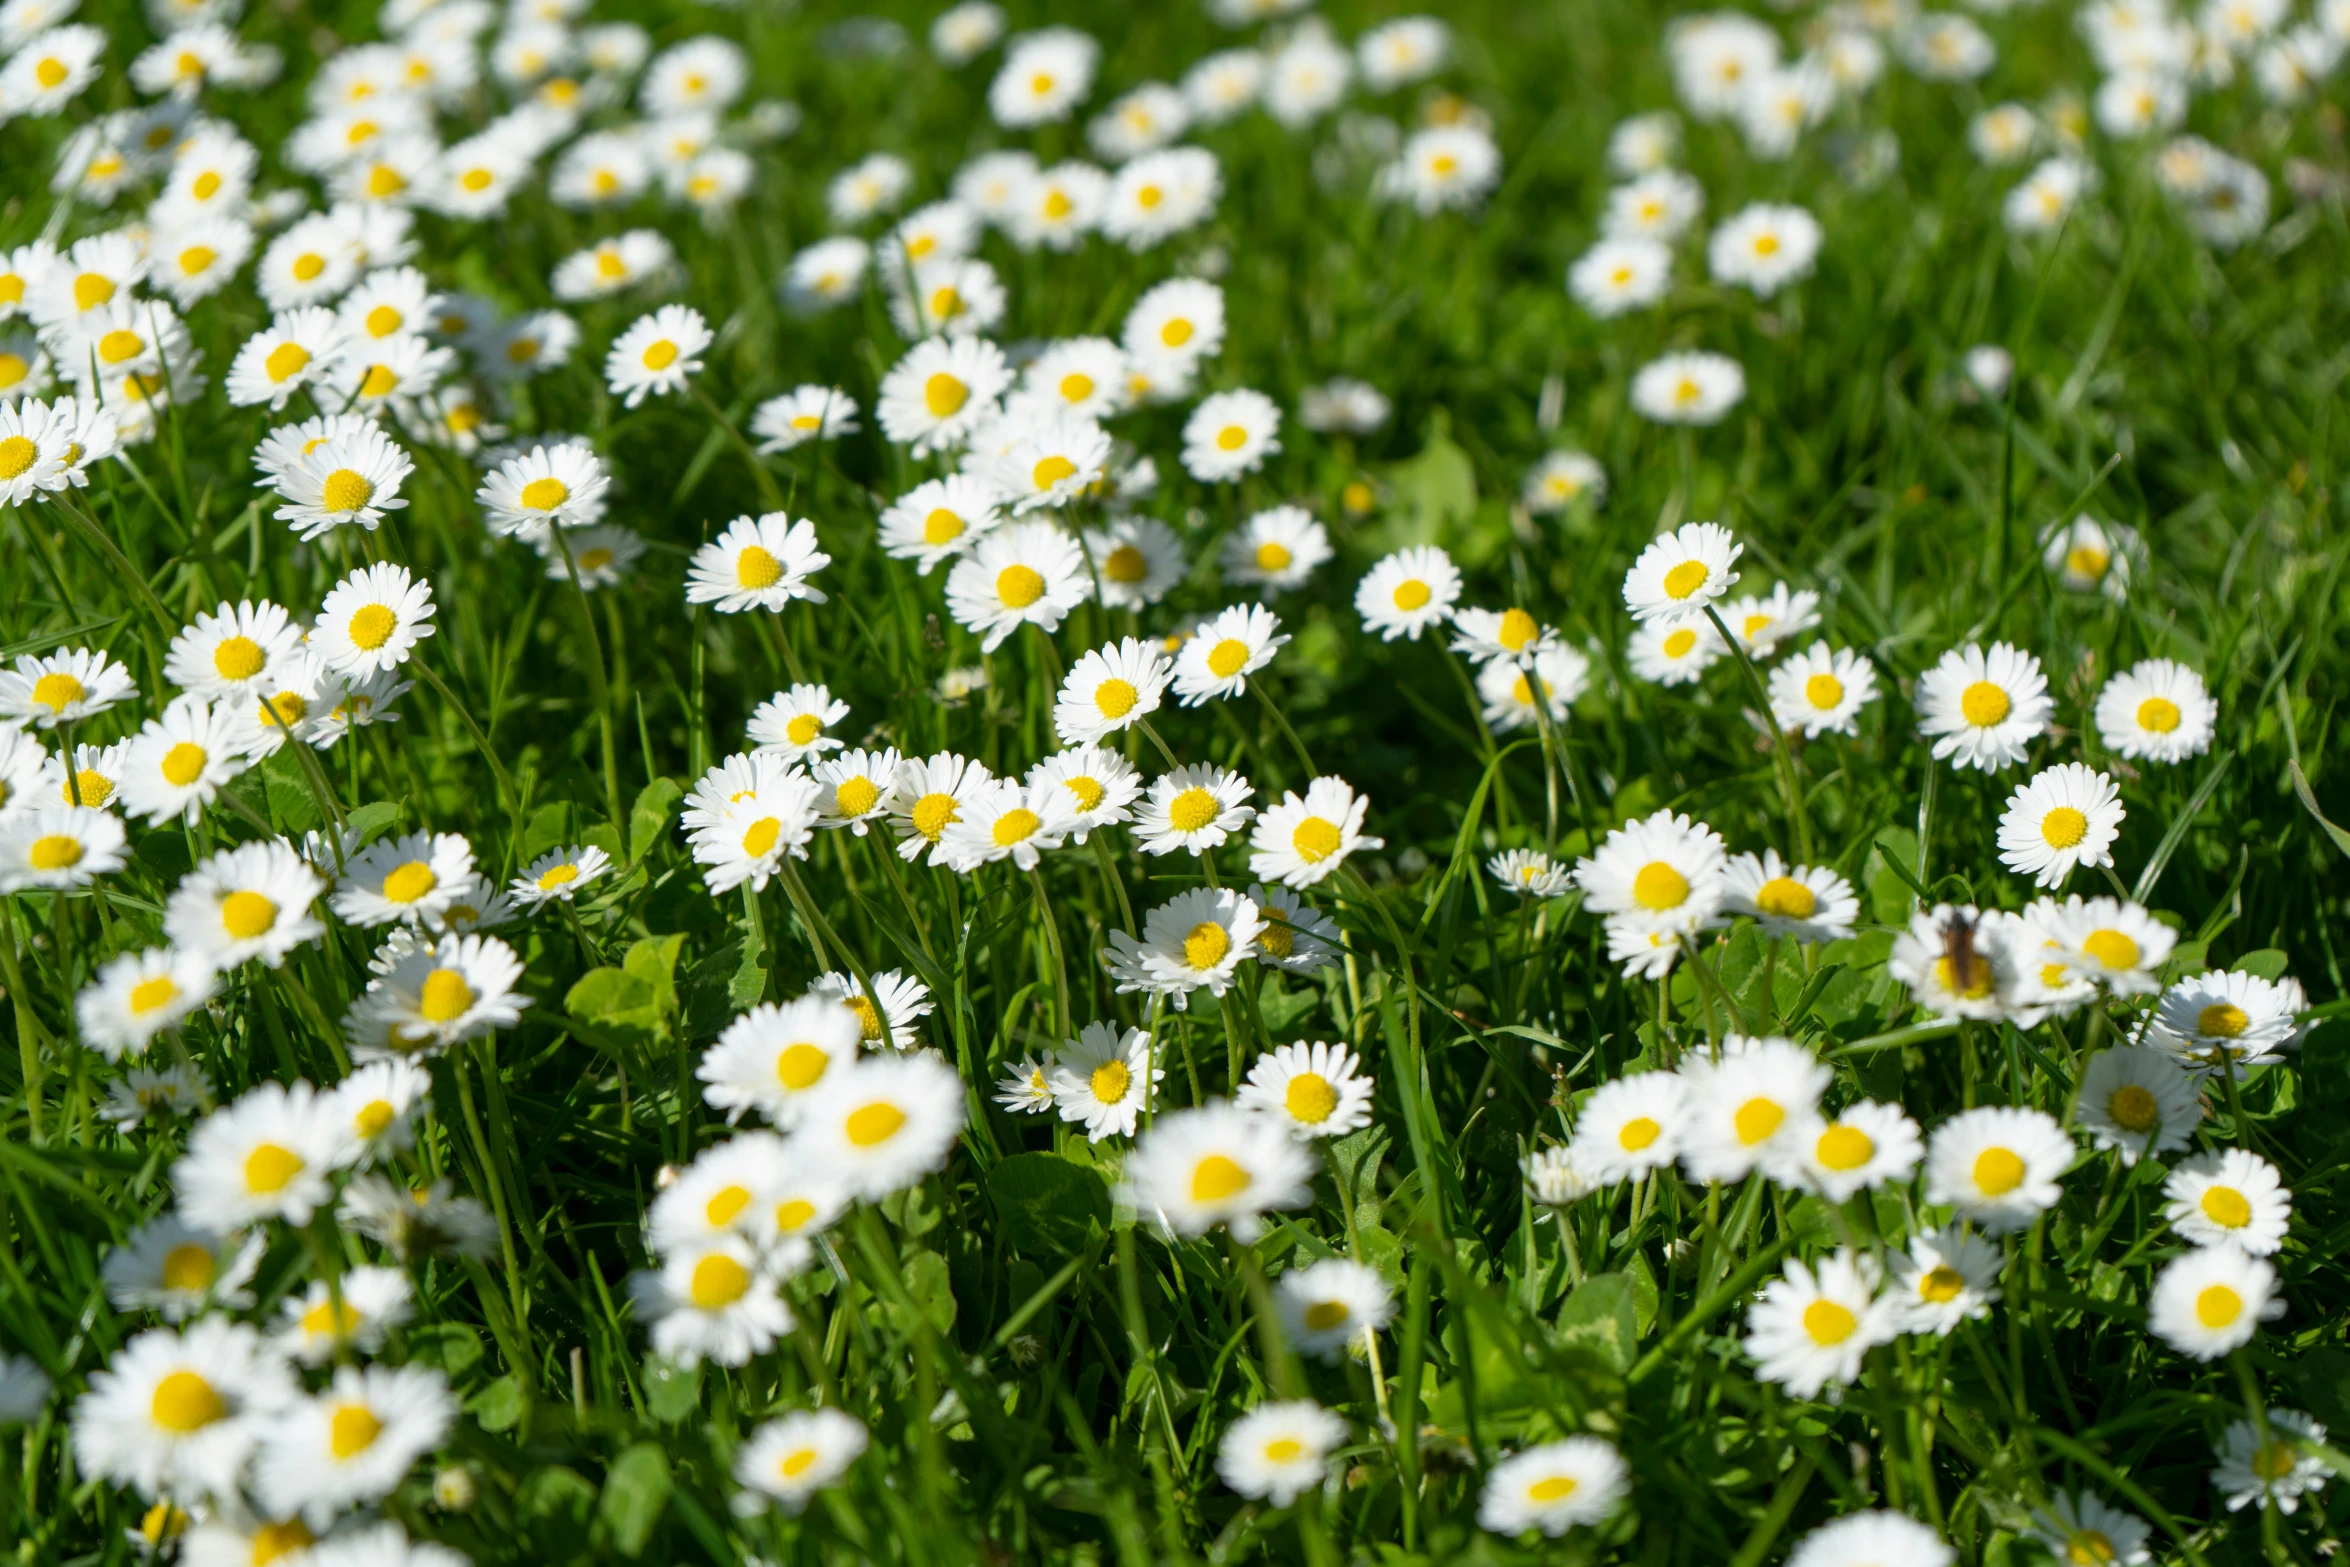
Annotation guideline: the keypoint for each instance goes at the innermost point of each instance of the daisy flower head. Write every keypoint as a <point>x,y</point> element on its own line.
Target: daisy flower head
<point>788,1461</point>
<point>177,1413</point>
<point>1675,652</point>
<point>1327,1306</point>
<point>1764,248</point>
<point>1443,167</point>
<point>2046,197</point>
<point>1762,624</point>
<point>1663,872</point>
<point>2063,817</point>
<point>1861,1147</point>
<point>1815,1324</point>
<point>1102,1079</point>
<point>716,1302</point>
<point>372,620</point>
<point>313,1326</point>
<point>1343,405</point>
<point>2229,1197</point>
<point>2118,945</point>
<point>49,689</point>
<point>1563,479</point>
<point>1279,1450</point>
<point>1407,592</point>
<point>2212,1300</point>
<point>1217,1165</point>
<point>1999,1166</point>
<point>2156,711</point>
<point>927,797</point>
<point>377,1103</point>
<point>1554,1487</point>
<point>2273,1470</point>
<point>2224,1015</point>
<point>658,354</point>
<point>175,1270</point>
<point>1230,434</point>
<point>771,1058</point>
<point>1809,903</point>
<point>267,1156</point>
<point>939,519</point>
<point>2139,1103</point>
<point>1197,940</point>
<point>1299,842</point>
<point>1406,50</point>
<point>1051,459</point>
<point>1193,809</point>
<point>1631,1126</point>
<point>1822,690</point>
<point>1983,709</point>
<point>1222,653</point>
<point>853,788</point>
<point>558,875</point>
<point>1945,1278</point>
<point>237,650</point>
<point>2090,556</point>
<point>1872,1539</point>
<point>796,725</point>
<point>1716,56</point>
<point>559,486</point>
<point>297,348</point>
<point>352,1443</point>
<point>881,1123</point>
<point>1179,321</point>
<point>1519,694</point>
<point>827,273</point>
<point>1745,1109</point>
<point>1102,786</point>
<point>760,562</point>
<point>1530,873</point>
<point>410,879</point>
<point>1026,573</point>
<point>1315,1089</point>
<point>1488,634</point>
<point>953,296</point>
<point>1688,388</point>
<point>868,188</point>
<point>754,833</point>
<point>940,392</point>
<point>1555,1177</point>
<point>138,995</point>
<point>436,995</point>
<point>1026,1086</point>
<point>179,761</point>
<point>804,414</point>
<point>904,1002</point>
<point>1085,376</point>
<point>718,1195</point>
<point>1306,76</point>
<point>1161,194</point>
<point>1046,74</point>
<point>1137,561</point>
<point>1294,937</point>
<point>252,901</point>
<point>351,477</point>
<point>1957,962</point>
<point>1682,572</point>
<point>144,1094</point>
<point>24,764</point>
<point>1109,689</point>
<point>1620,275</point>
<point>1005,819</point>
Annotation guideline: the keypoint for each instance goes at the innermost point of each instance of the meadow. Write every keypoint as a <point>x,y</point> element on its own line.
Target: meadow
<point>1211,783</point>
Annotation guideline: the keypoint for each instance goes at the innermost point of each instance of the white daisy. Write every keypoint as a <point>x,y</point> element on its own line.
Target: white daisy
<point>1999,1166</point>
<point>760,562</point>
<point>1983,709</point>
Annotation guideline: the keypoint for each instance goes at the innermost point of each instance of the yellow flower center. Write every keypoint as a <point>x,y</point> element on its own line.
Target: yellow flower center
<point>545,494</point>
<point>724,1204</point>
<point>1659,886</point>
<point>410,882</point>
<point>1638,1133</point>
<point>308,266</point>
<point>1193,809</point>
<point>383,321</point>
<point>1017,825</point>
<point>1272,556</point>
<point>855,796</point>
<point>1057,204</point>
<point>661,355</point>
<point>1412,595</point>
<point>1089,791</point>
<point>1843,1147</point>
<point>2133,1109</point>
<point>932,813</point>
<point>345,490</point>
<point>2222,1020</point>
<point>374,1117</point>
<point>871,1125</point>
<point>1051,471</point>
<point>55,852</point>
<point>946,302</point>
<point>1685,579</point>
<point>2087,560</point>
<point>16,455</point>
<point>1552,1488</point>
<point>1205,945</point>
<point>1984,704</point>
<point>1757,1119</point>
<point>797,1464</point>
<point>803,729</point>
<point>1109,1081</point>
<point>118,345</point>
<point>1828,1323</point>
<point>270,1168</point>
<point>246,915</point>
<point>1315,840</point>
<point>759,838</point>
<point>286,361</point>
<point>1115,698</point>
<point>12,370</point>
<point>323,1320</point>
<point>1323,1315</point>
<point>756,567</point>
<point>1076,386</point>
<point>792,1215</point>
<point>1226,657</point>
<point>2088,1548</point>
<point>2226,1207</point>
<point>1310,1098</point>
<point>2112,949</point>
<point>1019,586</point>
<point>379,382</point>
<point>188,1266</point>
<point>1941,1285</point>
<point>91,290</point>
<point>800,1064</point>
<point>183,764</point>
<point>2218,1306</point>
<point>1783,897</point>
<point>941,527</point>
<point>718,1282</point>
<point>1998,1171</point>
<point>184,1402</point>
<point>2158,714</point>
<point>2064,827</point>
<point>1216,1178</point>
<point>238,658</point>
<point>1175,333</point>
<point>444,996</point>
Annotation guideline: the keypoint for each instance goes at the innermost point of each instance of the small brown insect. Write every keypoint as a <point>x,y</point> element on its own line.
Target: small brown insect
<point>1966,968</point>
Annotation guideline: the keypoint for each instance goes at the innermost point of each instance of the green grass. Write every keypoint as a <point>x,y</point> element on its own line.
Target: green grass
<point>1044,1380</point>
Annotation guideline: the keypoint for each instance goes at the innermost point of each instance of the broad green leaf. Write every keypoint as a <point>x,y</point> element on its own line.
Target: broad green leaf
<point>650,815</point>
<point>1047,1204</point>
<point>636,1489</point>
<point>1602,1316</point>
